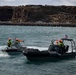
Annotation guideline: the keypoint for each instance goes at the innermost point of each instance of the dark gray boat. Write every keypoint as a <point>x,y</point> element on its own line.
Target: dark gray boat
<point>54,52</point>
<point>15,49</point>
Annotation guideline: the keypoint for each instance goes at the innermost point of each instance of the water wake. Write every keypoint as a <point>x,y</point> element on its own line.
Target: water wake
<point>3,54</point>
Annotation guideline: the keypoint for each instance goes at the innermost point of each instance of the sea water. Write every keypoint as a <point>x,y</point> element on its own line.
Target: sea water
<point>38,38</point>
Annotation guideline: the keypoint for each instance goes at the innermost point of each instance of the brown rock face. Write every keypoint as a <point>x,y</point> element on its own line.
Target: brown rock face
<point>38,13</point>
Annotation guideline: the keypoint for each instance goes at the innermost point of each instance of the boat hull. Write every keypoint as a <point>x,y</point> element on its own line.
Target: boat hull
<point>47,56</point>
<point>12,51</point>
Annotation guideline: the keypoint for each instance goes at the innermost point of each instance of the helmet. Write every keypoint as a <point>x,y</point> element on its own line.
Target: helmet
<point>60,41</point>
<point>9,38</point>
<point>56,41</point>
<point>17,39</point>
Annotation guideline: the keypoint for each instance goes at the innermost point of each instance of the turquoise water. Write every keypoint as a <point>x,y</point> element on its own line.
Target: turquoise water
<point>35,37</point>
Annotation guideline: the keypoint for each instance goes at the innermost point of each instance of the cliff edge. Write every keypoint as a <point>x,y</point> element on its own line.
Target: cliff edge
<point>38,14</point>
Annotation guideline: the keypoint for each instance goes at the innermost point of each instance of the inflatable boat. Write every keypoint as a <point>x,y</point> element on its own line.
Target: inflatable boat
<point>53,52</point>
<point>14,50</point>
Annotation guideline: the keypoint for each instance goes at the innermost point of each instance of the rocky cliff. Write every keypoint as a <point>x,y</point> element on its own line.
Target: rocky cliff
<point>38,13</point>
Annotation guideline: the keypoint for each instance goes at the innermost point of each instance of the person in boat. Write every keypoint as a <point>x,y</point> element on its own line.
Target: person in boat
<point>17,40</point>
<point>62,46</point>
<point>9,42</point>
<point>60,43</point>
<point>17,43</point>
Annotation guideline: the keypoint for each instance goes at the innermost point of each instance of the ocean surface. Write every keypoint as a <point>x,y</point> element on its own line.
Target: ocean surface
<point>35,37</point>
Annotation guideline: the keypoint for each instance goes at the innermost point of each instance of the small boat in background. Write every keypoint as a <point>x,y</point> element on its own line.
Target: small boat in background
<point>14,50</point>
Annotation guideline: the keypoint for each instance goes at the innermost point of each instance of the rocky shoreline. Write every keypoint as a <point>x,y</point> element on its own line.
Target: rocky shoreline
<point>38,15</point>
<point>38,24</point>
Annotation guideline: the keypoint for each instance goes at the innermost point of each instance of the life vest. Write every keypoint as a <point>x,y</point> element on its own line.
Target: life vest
<point>9,43</point>
<point>61,44</point>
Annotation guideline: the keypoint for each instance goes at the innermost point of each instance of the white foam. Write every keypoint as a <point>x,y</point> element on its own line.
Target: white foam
<point>3,47</point>
<point>3,54</point>
<point>40,48</point>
